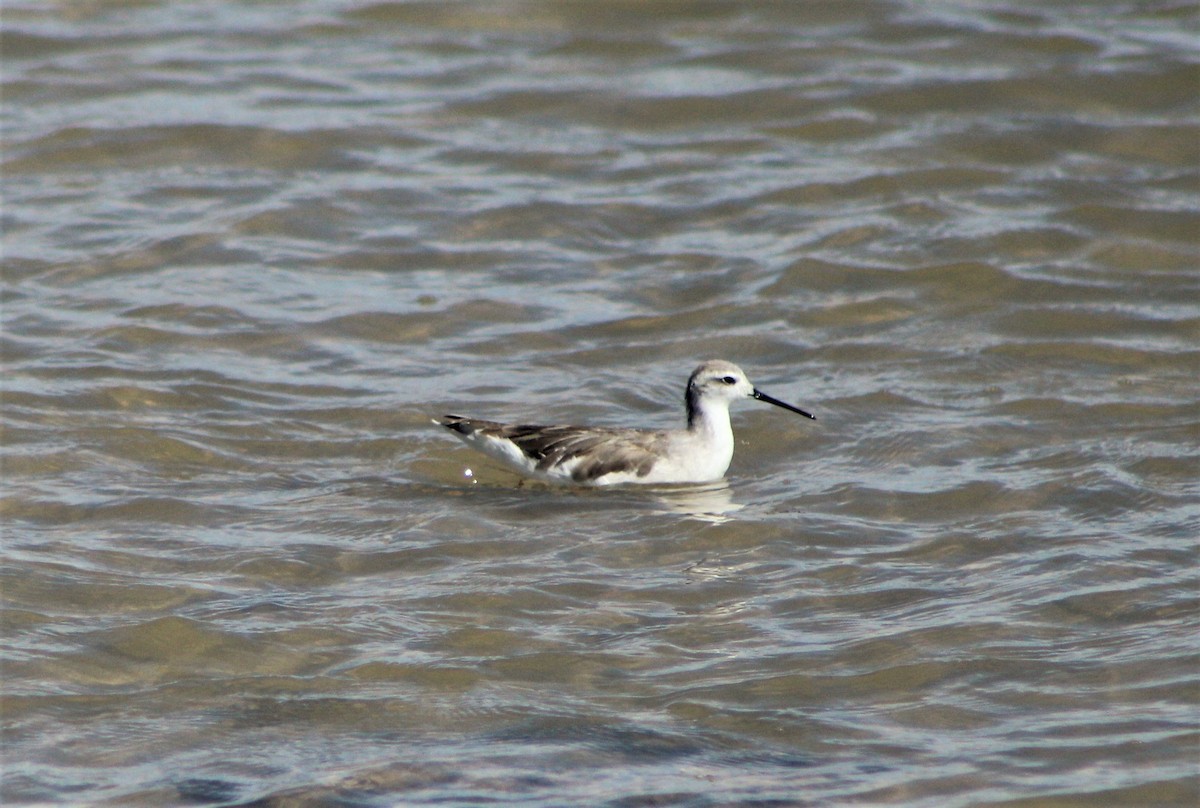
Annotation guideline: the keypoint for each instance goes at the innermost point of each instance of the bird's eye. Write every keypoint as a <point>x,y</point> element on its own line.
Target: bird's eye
<point>729,380</point>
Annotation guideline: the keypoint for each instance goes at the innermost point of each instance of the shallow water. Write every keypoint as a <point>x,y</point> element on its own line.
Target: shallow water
<point>250,248</point>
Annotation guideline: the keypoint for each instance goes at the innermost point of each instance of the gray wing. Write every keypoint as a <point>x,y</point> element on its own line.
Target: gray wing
<point>598,451</point>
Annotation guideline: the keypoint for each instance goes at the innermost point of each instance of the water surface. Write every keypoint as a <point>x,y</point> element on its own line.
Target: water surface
<point>249,249</point>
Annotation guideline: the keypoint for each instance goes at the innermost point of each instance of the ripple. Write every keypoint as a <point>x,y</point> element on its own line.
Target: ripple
<point>247,253</point>
<point>153,146</point>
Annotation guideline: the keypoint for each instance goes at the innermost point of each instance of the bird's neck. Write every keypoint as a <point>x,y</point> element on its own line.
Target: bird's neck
<point>710,435</point>
<point>706,416</point>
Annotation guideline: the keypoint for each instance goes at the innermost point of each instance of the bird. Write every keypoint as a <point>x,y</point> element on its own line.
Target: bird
<point>602,456</point>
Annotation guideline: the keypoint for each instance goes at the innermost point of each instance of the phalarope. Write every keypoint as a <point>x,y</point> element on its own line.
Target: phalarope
<point>588,455</point>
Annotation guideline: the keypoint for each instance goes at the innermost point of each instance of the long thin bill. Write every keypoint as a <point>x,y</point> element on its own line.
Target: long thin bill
<point>761,396</point>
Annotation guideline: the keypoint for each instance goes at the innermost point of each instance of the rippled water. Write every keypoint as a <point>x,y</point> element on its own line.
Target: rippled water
<point>249,248</point>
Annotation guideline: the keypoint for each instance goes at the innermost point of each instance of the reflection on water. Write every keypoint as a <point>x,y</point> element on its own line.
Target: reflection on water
<point>712,502</point>
<point>709,502</point>
<point>250,248</point>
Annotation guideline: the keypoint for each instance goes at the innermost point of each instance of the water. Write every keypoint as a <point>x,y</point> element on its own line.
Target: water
<point>249,248</point>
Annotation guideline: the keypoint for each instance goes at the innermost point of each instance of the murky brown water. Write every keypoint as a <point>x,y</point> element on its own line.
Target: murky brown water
<point>250,247</point>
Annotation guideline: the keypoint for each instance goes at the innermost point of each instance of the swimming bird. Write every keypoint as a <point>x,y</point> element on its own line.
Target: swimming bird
<point>590,455</point>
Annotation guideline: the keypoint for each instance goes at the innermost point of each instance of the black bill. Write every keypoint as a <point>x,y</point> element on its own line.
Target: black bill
<point>761,396</point>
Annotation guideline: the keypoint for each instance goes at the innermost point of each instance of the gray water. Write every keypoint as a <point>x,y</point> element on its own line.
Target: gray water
<point>250,247</point>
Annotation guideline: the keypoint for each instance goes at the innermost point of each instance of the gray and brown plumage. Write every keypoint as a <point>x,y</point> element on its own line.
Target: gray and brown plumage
<point>588,455</point>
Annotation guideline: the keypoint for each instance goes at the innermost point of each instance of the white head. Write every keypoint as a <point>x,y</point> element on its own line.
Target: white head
<point>719,383</point>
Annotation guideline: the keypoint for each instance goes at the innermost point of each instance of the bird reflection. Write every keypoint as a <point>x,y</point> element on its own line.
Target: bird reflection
<point>711,502</point>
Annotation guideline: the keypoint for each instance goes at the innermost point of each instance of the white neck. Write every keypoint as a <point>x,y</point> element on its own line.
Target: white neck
<point>709,424</point>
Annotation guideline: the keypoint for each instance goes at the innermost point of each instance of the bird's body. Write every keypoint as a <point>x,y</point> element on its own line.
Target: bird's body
<point>585,455</point>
